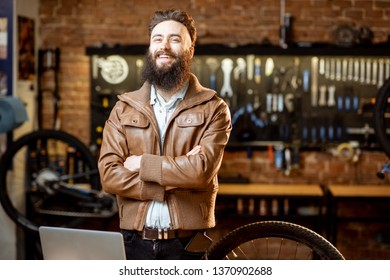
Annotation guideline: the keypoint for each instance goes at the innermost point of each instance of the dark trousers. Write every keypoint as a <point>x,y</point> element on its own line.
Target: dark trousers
<point>171,249</point>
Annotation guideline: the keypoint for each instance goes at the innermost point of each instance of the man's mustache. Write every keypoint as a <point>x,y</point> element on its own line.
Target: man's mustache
<point>158,53</point>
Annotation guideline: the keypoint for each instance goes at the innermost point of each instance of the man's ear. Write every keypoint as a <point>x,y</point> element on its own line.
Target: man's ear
<point>192,51</point>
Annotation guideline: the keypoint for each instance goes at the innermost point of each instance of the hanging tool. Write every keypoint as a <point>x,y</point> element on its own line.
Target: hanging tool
<point>374,72</point>
<point>240,74</point>
<point>250,59</point>
<point>381,68</point>
<point>350,70</point>
<point>331,95</point>
<point>344,73</point>
<point>327,68</point>
<point>322,99</point>
<point>239,70</point>
<point>280,104</point>
<point>362,71</point>
<point>368,71</point>
<point>338,70</point>
<point>213,65</point>
<point>305,81</point>
<point>295,81</point>
<point>340,103</point>
<point>314,81</point>
<point>269,68</point>
<point>269,102</point>
<point>332,71</point>
<point>258,70</point>
<point>356,70</point>
<point>287,159</point>
<point>227,67</point>
<point>288,102</point>
<point>321,67</point>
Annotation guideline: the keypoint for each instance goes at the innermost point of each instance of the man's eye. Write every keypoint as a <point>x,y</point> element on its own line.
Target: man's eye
<point>176,40</point>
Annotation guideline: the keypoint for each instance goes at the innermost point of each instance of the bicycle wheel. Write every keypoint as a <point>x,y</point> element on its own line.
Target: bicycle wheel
<point>382,117</point>
<point>35,159</point>
<point>273,240</point>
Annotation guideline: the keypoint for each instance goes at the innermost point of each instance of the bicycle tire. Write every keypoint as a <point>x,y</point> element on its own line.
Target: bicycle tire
<point>19,147</point>
<point>380,110</point>
<point>253,241</point>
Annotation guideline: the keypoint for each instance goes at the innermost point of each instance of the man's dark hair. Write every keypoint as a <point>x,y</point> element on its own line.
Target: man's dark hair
<point>176,15</point>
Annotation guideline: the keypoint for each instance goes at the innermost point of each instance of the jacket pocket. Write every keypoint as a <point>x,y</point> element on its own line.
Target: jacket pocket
<point>135,120</point>
<point>190,119</point>
<point>139,138</point>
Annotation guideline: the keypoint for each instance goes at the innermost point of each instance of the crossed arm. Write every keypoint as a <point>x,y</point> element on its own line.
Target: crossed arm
<point>133,163</point>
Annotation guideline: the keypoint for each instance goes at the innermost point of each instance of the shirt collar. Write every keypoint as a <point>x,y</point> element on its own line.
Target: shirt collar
<point>155,97</point>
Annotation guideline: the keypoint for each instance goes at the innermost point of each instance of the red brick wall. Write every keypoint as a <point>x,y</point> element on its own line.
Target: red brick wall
<point>314,168</point>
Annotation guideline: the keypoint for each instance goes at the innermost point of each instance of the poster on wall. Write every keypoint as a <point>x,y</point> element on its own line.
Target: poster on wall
<point>3,37</point>
<point>26,47</point>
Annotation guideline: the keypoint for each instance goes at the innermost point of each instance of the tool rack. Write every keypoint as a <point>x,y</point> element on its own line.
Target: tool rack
<point>299,97</point>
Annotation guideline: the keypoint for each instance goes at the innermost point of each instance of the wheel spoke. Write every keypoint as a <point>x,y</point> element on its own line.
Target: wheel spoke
<point>274,240</point>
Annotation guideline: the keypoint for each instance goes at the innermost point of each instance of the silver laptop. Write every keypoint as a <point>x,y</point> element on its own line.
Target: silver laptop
<point>80,244</point>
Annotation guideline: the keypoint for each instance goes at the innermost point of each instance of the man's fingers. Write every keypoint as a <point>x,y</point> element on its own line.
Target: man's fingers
<point>194,151</point>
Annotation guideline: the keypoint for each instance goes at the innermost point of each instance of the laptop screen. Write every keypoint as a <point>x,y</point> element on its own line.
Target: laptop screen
<point>80,244</point>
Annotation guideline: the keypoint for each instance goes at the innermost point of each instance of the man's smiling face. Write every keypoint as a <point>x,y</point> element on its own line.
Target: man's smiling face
<point>168,41</point>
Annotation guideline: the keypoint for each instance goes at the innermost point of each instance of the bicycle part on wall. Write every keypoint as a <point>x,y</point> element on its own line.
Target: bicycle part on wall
<point>273,240</point>
<point>49,174</point>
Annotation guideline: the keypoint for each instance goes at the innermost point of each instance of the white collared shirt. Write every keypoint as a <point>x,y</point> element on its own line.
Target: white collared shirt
<point>158,212</point>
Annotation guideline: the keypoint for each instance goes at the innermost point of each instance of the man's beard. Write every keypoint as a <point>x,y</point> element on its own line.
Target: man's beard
<point>167,78</point>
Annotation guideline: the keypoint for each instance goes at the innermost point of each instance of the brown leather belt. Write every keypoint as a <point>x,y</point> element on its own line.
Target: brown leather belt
<point>163,234</point>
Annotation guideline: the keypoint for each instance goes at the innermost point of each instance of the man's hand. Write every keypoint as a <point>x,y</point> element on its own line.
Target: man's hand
<point>194,151</point>
<point>133,163</point>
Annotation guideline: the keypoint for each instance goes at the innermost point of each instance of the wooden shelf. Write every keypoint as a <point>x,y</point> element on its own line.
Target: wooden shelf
<point>303,190</point>
<point>358,191</point>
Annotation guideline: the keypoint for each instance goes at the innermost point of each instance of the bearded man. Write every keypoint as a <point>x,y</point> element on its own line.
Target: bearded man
<point>162,149</point>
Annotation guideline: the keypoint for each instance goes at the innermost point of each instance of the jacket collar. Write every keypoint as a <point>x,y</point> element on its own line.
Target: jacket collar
<point>196,94</point>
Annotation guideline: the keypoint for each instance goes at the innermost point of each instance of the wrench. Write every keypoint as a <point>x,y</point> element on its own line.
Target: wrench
<point>331,95</point>
<point>314,81</point>
<point>381,71</point>
<point>239,70</point>
<point>227,67</point>
<point>322,99</point>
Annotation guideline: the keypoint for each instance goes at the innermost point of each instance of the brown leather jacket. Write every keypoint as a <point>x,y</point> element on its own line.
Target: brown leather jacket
<point>202,118</point>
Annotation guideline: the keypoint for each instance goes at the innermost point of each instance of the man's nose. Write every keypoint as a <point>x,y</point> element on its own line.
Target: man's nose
<point>165,44</point>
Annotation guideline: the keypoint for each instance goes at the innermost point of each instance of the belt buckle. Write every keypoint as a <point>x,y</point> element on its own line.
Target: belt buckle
<point>162,233</point>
